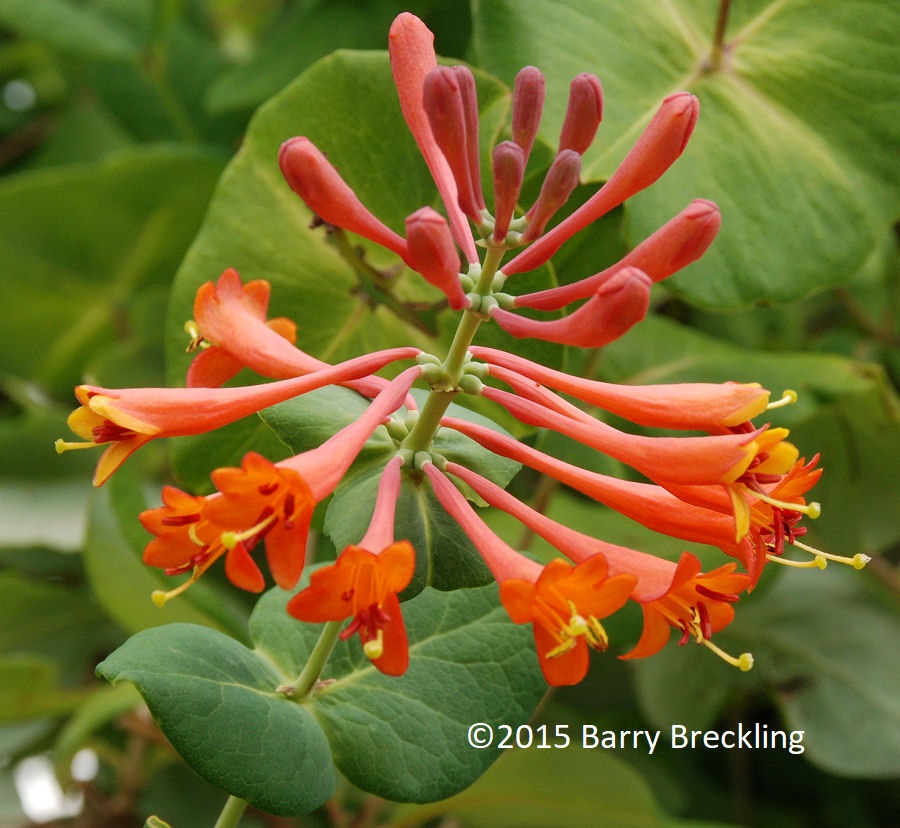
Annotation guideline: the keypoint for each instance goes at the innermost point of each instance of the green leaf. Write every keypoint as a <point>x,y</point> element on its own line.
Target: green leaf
<point>405,738</point>
<point>795,134</point>
<point>74,28</point>
<point>30,688</point>
<point>827,653</point>
<point>216,702</point>
<point>401,738</point>
<point>86,243</point>
<point>548,787</point>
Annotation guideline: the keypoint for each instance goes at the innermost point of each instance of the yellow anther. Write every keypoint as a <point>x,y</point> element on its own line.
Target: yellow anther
<point>160,596</point>
<point>563,648</point>
<point>374,647</point>
<point>197,341</point>
<point>858,561</point>
<point>743,662</point>
<point>788,397</point>
<point>63,445</point>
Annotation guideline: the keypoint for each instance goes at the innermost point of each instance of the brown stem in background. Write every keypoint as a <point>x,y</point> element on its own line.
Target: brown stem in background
<point>718,47</point>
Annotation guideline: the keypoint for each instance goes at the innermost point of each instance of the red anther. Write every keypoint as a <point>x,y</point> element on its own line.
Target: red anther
<point>180,520</point>
<point>509,170</point>
<point>583,115</point>
<point>561,180</point>
<point>527,106</point>
<point>715,595</point>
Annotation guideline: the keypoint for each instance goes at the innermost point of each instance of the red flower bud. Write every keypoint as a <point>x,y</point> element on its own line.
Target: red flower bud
<point>527,106</point>
<point>562,178</point>
<point>445,104</point>
<point>618,304</point>
<point>318,183</point>
<point>433,253</point>
<point>583,114</point>
<point>509,170</point>
<point>680,241</point>
<point>660,144</point>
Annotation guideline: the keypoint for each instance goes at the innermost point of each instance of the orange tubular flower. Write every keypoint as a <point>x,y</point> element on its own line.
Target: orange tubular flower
<point>125,419</point>
<point>650,505</point>
<point>698,604</point>
<point>713,407</point>
<point>719,459</point>
<point>363,585</point>
<point>260,500</point>
<point>681,596</point>
<point>232,330</point>
<point>563,603</point>
<point>230,326</point>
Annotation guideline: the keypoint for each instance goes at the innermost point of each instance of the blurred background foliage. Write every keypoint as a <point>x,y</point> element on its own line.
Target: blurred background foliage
<point>117,119</point>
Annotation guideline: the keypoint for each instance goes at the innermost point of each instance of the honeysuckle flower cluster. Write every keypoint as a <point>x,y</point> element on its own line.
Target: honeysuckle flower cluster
<point>740,486</point>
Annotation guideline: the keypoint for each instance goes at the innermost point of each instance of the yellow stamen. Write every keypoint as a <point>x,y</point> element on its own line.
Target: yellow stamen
<point>63,445</point>
<point>744,662</point>
<point>811,510</point>
<point>818,562</point>
<point>858,561</point>
<point>562,649</point>
<point>232,539</point>
<point>374,647</point>
<point>197,340</point>
<point>160,596</point>
<point>788,397</point>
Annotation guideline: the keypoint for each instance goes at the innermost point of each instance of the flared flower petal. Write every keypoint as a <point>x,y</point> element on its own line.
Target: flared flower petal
<point>564,606</point>
<point>696,604</point>
<point>231,323</point>
<point>363,585</point>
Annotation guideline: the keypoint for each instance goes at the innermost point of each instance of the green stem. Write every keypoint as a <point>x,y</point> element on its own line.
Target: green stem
<point>453,366</point>
<point>316,661</point>
<point>231,813</point>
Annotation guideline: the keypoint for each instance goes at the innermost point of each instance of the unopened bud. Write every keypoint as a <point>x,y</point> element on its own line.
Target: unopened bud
<point>527,106</point>
<point>583,115</point>
<point>318,183</point>
<point>561,180</point>
<point>660,144</point>
<point>680,241</point>
<point>433,253</point>
<point>509,170</point>
<point>445,105</point>
<point>618,304</point>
